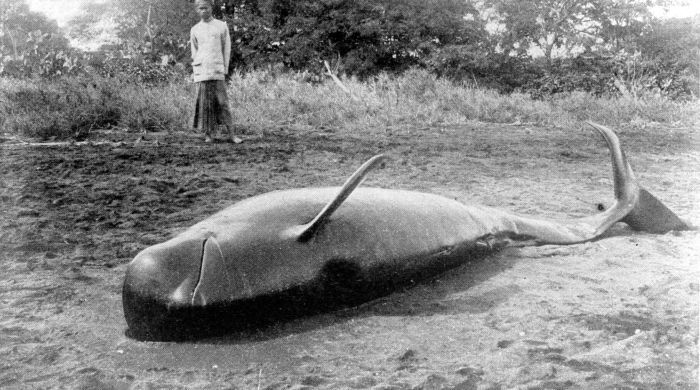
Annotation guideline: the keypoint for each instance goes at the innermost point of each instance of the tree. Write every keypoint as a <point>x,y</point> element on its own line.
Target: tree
<point>622,22</point>
<point>351,31</point>
<point>671,52</point>
<point>152,28</point>
<point>30,43</point>
<point>366,36</point>
<point>16,22</point>
<point>94,26</point>
<point>562,26</point>
<point>543,24</point>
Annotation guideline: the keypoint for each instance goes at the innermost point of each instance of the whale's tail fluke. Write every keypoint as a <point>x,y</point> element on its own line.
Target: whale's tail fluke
<point>633,205</point>
<point>648,213</point>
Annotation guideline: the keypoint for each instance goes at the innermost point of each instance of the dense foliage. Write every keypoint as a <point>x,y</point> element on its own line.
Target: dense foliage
<point>541,47</point>
<point>31,44</point>
<point>364,37</point>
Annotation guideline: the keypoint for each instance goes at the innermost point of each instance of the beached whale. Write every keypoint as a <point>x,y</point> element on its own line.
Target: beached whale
<point>294,252</point>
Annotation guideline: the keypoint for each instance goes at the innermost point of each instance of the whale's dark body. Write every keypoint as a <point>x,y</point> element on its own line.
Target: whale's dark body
<point>294,252</point>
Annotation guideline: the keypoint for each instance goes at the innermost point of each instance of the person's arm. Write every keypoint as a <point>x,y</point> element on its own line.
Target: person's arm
<point>227,47</point>
<point>193,43</point>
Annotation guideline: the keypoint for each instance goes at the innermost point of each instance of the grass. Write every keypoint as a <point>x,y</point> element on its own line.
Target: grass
<point>71,108</point>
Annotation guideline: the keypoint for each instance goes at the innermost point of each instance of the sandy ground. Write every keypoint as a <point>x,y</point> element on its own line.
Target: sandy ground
<point>618,313</point>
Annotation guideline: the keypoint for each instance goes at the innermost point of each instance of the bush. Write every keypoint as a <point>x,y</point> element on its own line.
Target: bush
<point>137,69</point>
<point>418,99</point>
<point>616,110</point>
<point>65,107</point>
<point>71,107</point>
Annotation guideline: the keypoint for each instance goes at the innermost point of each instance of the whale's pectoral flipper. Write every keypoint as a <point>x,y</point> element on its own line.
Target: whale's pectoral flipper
<point>305,232</point>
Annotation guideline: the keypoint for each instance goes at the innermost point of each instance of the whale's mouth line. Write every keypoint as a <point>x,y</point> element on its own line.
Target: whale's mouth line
<point>214,283</point>
<point>201,269</point>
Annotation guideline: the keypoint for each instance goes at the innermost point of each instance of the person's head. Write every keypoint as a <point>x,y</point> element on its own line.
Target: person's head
<point>204,9</point>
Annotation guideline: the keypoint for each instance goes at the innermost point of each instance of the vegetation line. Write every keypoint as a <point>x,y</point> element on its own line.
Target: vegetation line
<point>262,100</point>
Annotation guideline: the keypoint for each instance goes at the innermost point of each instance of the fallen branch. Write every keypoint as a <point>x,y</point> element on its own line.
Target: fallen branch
<point>340,83</point>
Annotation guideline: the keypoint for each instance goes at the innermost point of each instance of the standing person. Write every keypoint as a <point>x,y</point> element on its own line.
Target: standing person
<point>211,50</point>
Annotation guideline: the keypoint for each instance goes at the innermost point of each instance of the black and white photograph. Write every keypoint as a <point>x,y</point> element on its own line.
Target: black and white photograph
<point>358,194</point>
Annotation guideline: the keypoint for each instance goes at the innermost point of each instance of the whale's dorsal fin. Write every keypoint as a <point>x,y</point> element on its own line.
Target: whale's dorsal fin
<point>307,231</point>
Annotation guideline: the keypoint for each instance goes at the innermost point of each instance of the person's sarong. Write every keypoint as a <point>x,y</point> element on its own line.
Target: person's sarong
<point>211,108</point>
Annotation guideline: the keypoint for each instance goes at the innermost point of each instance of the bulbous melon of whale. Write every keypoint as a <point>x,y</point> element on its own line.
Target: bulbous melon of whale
<point>293,252</point>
